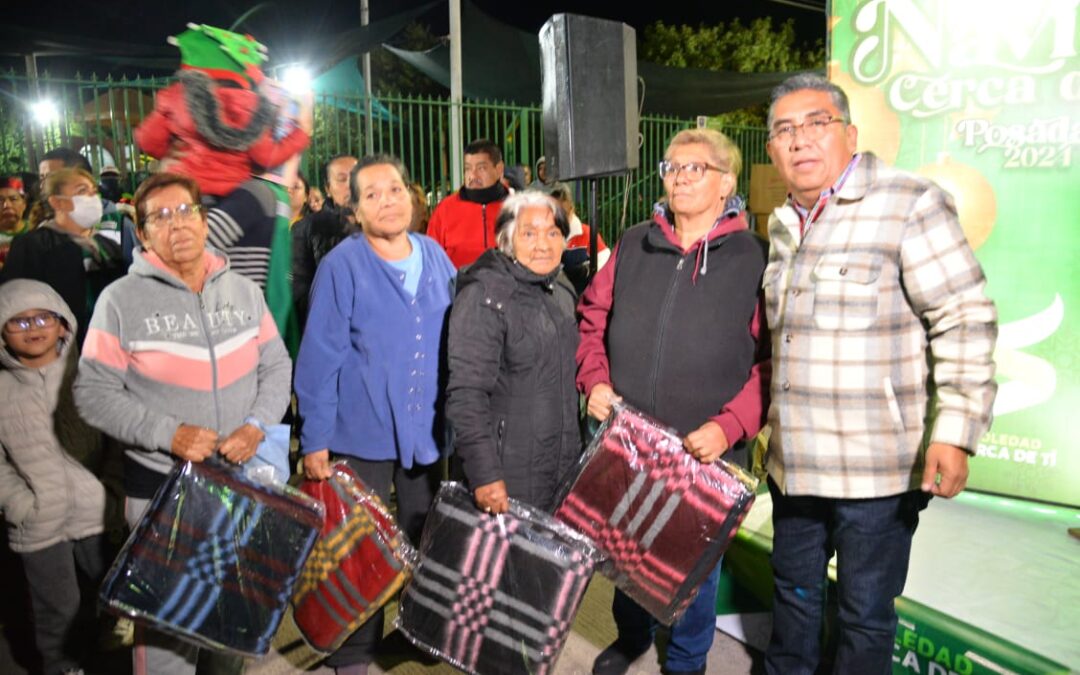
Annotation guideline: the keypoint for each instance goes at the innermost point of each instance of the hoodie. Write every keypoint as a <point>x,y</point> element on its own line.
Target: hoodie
<point>158,355</point>
<point>46,494</point>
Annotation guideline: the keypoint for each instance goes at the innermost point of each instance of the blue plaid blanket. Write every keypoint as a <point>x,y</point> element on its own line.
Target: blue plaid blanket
<point>215,558</point>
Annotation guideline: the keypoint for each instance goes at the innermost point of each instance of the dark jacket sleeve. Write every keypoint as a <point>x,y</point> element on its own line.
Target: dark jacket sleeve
<point>475,349</point>
<point>303,267</point>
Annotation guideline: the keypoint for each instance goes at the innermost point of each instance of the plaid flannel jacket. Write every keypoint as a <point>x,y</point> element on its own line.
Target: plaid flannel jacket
<point>882,337</point>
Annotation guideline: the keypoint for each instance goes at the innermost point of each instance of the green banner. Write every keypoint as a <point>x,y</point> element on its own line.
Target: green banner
<point>983,97</point>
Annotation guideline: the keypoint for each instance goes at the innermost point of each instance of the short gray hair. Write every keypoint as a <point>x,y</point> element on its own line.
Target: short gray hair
<point>814,82</point>
<point>506,223</point>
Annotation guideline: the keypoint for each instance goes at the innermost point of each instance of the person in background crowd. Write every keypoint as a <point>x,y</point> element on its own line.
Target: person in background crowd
<point>510,398</point>
<point>673,325</point>
<point>541,180</point>
<point>883,376</point>
<point>514,178</point>
<point>64,251</point>
<point>12,210</point>
<point>315,200</point>
<point>369,373</point>
<point>141,379</point>
<point>115,223</point>
<point>464,222</point>
<point>576,257</point>
<point>109,184</point>
<point>316,235</point>
<point>298,199</point>
<point>526,171</point>
<point>52,501</point>
<point>421,213</point>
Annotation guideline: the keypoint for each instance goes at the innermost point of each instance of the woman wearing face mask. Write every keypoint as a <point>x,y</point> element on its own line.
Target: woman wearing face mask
<point>64,251</point>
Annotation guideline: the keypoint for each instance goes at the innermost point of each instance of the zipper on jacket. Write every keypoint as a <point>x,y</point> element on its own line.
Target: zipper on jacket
<point>483,217</point>
<point>665,310</point>
<point>213,364</point>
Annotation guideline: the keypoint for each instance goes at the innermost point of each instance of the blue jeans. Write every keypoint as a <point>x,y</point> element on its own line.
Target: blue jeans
<point>872,542</point>
<point>691,636</point>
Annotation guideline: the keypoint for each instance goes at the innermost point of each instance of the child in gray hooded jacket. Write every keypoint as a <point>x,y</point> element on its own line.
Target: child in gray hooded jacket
<point>54,506</point>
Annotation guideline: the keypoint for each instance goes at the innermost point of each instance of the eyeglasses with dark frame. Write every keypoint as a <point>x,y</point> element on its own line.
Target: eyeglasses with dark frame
<point>21,324</point>
<point>182,213</point>
<point>694,171</point>
<point>812,129</point>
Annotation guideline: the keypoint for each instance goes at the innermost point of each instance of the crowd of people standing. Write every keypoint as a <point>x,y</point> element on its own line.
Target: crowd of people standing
<point>859,332</point>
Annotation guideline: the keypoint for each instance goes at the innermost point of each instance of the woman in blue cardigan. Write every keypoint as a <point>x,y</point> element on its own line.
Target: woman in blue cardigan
<point>371,368</point>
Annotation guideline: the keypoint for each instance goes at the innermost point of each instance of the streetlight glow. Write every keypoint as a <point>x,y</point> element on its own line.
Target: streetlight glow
<point>297,80</point>
<point>45,112</point>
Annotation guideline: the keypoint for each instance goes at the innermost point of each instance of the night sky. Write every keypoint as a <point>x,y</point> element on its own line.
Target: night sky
<point>286,27</point>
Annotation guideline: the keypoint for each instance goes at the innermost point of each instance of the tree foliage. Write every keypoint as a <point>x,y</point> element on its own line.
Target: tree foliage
<point>390,74</point>
<point>758,47</point>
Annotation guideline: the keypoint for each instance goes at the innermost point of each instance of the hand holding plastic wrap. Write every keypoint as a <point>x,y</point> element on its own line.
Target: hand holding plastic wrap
<point>494,594</point>
<point>360,561</point>
<point>215,557</point>
<point>662,518</point>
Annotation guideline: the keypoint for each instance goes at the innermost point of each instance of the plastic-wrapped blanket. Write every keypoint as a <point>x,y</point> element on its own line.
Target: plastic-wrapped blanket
<point>215,557</point>
<point>494,594</point>
<point>662,518</point>
<point>360,560</point>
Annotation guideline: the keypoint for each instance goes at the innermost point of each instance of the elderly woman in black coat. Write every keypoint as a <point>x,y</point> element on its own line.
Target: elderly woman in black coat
<point>511,397</point>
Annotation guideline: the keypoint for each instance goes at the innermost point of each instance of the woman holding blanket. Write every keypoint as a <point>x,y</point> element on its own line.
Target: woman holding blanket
<point>369,372</point>
<point>673,325</point>
<point>182,360</point>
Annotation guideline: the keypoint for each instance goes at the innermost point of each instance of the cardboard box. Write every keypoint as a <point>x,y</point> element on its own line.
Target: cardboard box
<point>767,189</point>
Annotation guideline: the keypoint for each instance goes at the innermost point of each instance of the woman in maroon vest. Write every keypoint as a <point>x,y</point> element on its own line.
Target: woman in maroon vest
<point>673,326</point>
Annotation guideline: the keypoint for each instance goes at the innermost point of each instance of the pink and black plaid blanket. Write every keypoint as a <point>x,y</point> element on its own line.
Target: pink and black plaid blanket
<point>359,562</point>
<point>662,518</point>
<point>214,558</point>
<point>494,594</point>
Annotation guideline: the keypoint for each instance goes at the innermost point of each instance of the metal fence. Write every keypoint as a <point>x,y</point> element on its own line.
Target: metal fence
<point>97,117</point>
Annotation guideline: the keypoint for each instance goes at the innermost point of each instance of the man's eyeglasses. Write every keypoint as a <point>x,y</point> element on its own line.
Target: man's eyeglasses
<point>182,213</point>
<point>694,171</point>
<point>14,199</point>
<point>812,129</point>
<point>21,324</point>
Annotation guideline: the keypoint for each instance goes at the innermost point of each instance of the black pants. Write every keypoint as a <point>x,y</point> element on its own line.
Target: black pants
<point>415,489</point>
<point>64,634</point>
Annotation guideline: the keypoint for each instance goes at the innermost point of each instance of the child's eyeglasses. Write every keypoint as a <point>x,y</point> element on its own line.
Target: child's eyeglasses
<point>21,324</point>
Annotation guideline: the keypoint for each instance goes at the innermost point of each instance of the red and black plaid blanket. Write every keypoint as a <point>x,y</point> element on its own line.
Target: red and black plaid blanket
<point>494,594</point>
<point>359,562</point>
<point>662,518</point>
<point>214,558</point>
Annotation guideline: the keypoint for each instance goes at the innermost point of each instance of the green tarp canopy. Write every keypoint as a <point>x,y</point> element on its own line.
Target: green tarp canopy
<point>501,62</point>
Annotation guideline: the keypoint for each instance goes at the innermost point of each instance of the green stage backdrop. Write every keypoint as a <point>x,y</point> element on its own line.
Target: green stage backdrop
<point>983,96</point>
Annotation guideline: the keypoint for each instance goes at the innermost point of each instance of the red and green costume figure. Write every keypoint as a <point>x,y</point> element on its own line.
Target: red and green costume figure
<point>214,124</point>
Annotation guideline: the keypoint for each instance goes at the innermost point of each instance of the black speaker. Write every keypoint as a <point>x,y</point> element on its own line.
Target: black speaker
<point>590,96</point>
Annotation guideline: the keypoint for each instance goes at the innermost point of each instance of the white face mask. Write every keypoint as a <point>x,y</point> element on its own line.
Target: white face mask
<point>87,211</point>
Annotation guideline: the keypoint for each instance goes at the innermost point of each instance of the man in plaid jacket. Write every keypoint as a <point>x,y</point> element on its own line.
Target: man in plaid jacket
<point>882,375</point>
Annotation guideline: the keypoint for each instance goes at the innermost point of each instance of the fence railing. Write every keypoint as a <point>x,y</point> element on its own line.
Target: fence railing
<point>98,116</point>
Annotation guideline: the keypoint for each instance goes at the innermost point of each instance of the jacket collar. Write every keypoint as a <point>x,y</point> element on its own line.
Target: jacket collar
<point>148,264</point>
<point>496,192</point>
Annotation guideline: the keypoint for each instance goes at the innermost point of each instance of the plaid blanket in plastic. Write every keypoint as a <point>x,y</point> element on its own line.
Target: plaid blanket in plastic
<point>214,558</point>
<point>494,594</point>
<point>662,518</point>
<point>359,561</point>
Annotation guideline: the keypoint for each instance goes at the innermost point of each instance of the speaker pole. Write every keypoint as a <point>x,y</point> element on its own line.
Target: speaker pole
<point>455,95</point>
<point>593,226</point>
